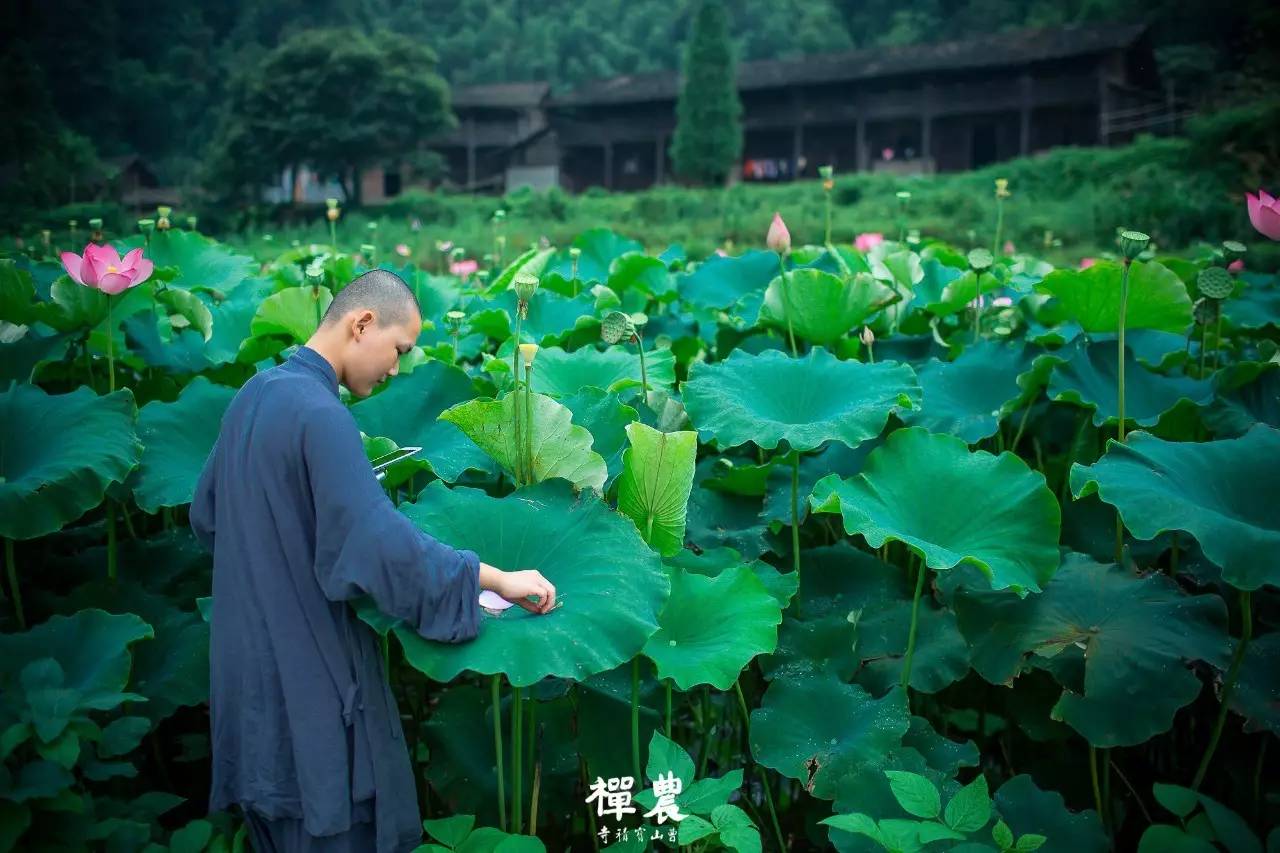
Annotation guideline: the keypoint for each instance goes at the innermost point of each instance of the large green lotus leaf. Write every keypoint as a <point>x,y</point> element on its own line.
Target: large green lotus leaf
<point>952,506</point>
<point>19,358</point>
<point>835,458</point>
<point>1257,693</point>
<point>637,271</point>
<point>1257,305</point>
<point>201,262</point>
<point>1157,297</point>
<point>51,473</point>
<point>177,438</point>
<point>561,374</point>
<point>600,247</point>
<point>606,418</point>
<point>153,339</point>
<point>612,585</point>
<point>1090,378</point>
<point>550,317</point>
<point>532,261</point>
<point>561,448</point>
<point>407,411</point>
<point>653,491</point>
<point>1245,394</point>
<point>936,277</point>
<point>1119,644</point>
<point>1027,809</point>
<point>1160,351</point>
<point>941,753</point>
<point>816,729</point>
<point>957,295</point>
<point>1223,493</point>
<point>294,312</point>
<point>17,294</point>
<point>805,401</point>
<point>716,519</point>
<point>969,396</point>
<point>92,649</point>
<point>823,307</point>
<point>781,585</point>
<point>721,281</point>
<point>692,646</point>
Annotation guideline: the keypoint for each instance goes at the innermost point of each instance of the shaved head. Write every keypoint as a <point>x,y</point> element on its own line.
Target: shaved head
<point>380,291</point>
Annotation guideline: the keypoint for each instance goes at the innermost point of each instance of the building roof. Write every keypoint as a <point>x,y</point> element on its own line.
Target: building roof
<point>502,95</point>
<point>1017,47</point>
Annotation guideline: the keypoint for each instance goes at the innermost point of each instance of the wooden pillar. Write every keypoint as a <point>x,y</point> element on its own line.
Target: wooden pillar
<point>926,123</point>
<point>608,165</point>
<point>471,154</point>
<point>659,155</point>
<point>797,149</point>
<point>1024,114</point>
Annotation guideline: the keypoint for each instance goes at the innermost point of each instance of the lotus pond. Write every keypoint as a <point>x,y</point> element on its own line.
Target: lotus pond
<point>892,547</point>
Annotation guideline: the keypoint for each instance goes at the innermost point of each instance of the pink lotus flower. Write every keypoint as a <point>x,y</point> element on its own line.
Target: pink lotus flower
<point>462,269</point>
<point>1264,213</point>
<point>1085,263</point>
<point>1008,247</point>
<point>1236,265</point>
<point>868,241</point>
<point>779,238</point>
<point>402,250</point>
<point>103,269</point>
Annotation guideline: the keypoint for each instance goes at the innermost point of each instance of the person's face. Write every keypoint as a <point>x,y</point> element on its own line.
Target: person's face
<point>374,354</point>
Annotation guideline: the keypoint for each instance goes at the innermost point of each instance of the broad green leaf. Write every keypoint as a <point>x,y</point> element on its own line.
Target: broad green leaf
<point>294,312</point>
<point>691,646</point>
<point>122,736</point>
<point>970,809</point>
<point>653,491</point>
<point>1090,379</point>
<point>694,828</point>
<point>1002,835</point>
<point>50,474</point>
<point>1119,645</point>
<point>533,262</point>
<point>1229,828</point>
<point>177,439</point>
<point>720,282</point>
<point>561,374</point>
<point>560,447</point>
<point>969,396</point>
<point>1157,298</point>
<point>1028,810</point>
<point>192,838</point>
<point>914,793</point>
<point>822,307</point>
<point>667,756</point>
<point>606,418</point>
<point>1177,799</point>
<point>957,294</point>
<point>1164,838</point>
<point>813,728</point>
<point>612,586</point>
<point>188,307</point>
<point>855,822</point>
<point>1221,492</point>
<point>408,411</point>
<point>1257,693</point>
<point>805,401</point>
<point>736,830</point>
<point>637,271</point>
<point>17,294</point>
<point>450,831</point>
<point>953,506</point>
<point>781,585</point>
<point>200,261</point>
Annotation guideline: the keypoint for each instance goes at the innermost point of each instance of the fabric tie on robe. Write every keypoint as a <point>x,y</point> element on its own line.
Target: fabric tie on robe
<point>303,721</point>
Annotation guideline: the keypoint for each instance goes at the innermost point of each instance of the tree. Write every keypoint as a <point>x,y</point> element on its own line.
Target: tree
<point>335,100</point>
<point>708,138</point>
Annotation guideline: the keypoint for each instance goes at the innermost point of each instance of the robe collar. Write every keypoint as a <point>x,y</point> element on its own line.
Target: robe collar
<point>317,364</point>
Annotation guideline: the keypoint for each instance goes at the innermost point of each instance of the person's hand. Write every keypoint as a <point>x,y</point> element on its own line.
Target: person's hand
<point>517,586</point>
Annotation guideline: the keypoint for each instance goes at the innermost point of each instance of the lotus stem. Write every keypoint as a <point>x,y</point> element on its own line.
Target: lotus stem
<point>786,305</point>
<point>828,240</point>
<point>1228,687</point>
<point>111,359</point>
<point>11,569</point>
<point>921,571</point>
<point>1173,555</point>
<point>517,769</point>
<point>574,266</point>
<point>644,376</point>
<point>528,420</point>
<point>496,701</point>
<point>1203,328</point>
<point>537,780</point>
<point>1217,332</point>
<point>977,305</point>
<point>1093,779</point>
<point>1013,448</point>
<point>668,709</point>
<point>635,716</point>
<point>1124,301</point>
<point>995,248</point>
<point>764,777</point>
<point>795,523</point>
<point>515,389</point>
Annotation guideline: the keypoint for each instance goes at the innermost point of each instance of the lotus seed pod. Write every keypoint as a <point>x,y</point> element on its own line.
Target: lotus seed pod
<point>331,203</point>
<point>499,215</point>
<point>163,224</point>
<point>526,284</point>
<point>455,316</point>
<point>146,225</point>
<point>315,272</point>
<point>372,227</point>
<point>903,196</point>
<point>1132,243</point>
<point>191,223</point>
<point>163,210</point>
<point>615,327</point>
<point>71,223</point>
<point>528,352</point>
<point>1002,188</point>
<point>1232,250</point>
<point>1203,311</point>
<point>575,253</point>
<point>332,214</point>
<point>980,260</point>
<point>1215,283</point>
<point>639,320</point>
<point>95,224</point>
<point>825,172</point>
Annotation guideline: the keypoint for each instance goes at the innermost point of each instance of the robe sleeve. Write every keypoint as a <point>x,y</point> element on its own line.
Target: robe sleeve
<point>366,546</point>
<point>201,513</point>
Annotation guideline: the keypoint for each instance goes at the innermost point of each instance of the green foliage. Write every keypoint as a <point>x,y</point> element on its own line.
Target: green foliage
<point>708,136</point>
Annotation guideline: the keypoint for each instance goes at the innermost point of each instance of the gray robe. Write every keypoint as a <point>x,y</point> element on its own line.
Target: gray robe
<point>303,721</point>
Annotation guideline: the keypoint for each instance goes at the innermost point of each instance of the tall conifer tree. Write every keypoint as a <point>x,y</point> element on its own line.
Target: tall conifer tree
<point>708,137</point>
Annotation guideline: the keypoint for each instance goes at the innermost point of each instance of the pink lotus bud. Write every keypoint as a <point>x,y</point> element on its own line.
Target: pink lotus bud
<point>779,239</point>
<point>462,269</point>
<point>403,250</point>
<point>1264,213</point>
<point>102,268</point>
<point>1085,263</point>
<point>866,242</point>
<point>1236,265</point>
<point>1008,247</point>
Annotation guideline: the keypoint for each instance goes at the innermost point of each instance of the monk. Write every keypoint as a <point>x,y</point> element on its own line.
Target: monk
<point>306,737</point>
